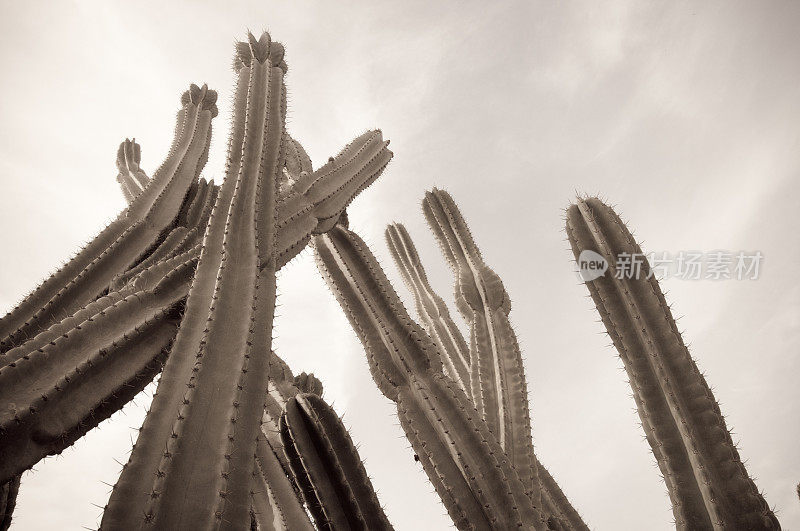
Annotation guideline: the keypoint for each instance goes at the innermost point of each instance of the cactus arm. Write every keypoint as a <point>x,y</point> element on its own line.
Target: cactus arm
<point>129,156</point>
<point>336,487</point>
<point>395,345</point>
<point>192,208</point>
<point>127,238</point>
<point>317,200</point>
<point>297,160</point>
<point>430,307</point>
<point>129,191</point>
<point>637,315</point>
<point>131,178</point>
<point>192,222</point>
<point>403,362</point>
<point>8,500</point>
<point>497,359</point>
<point>58,391</point>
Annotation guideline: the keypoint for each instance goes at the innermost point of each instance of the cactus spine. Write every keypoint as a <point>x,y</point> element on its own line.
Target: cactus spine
<point>707,482</point>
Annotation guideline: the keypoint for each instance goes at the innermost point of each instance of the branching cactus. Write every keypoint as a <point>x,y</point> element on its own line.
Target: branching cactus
<point>183,280</point>
<point>706,480</point>
<point>481,461</point>
<point>183,283</point>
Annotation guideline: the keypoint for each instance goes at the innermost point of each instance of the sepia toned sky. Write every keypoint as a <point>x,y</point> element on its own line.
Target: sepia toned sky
<point>685,115</point>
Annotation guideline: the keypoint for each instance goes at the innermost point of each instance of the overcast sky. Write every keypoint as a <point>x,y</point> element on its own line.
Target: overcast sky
<point>684,115</point>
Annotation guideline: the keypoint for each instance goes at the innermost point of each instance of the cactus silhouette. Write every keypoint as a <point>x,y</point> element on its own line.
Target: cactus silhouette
<point>182,284</point>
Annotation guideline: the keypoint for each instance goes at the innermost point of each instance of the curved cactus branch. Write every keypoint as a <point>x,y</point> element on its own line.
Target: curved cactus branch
<point>708,483</point>
<point>327,467</point>
<point>317,200</point>
<point>431,308</point>
<point>132,180</point>
<point>434,412</point>
<point>126,239</point>
<point>191,225</point>
<point>499,390</point>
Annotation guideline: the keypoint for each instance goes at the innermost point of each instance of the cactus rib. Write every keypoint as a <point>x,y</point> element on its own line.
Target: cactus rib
<point>131,178</point>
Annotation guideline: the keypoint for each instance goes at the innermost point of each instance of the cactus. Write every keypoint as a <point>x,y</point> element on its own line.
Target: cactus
<point>479,484</point>
<point>707,482</point>
<point>326,467</point>
<point>8,499</point>
<point>183,283</point>
<point>126,239</point>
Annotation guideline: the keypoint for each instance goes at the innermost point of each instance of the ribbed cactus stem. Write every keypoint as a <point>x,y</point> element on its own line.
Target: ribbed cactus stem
<point>192,221</point>
<point>431,308</point>
<point>317,199</point>
<point>127,238</point>
<point>327,467</point>
<point>395,344</point>
<point>708,483</point>
<point>434,411</point>
<point>500,390</point>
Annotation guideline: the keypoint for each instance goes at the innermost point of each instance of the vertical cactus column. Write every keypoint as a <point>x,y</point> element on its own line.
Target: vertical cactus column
<point>707,482</point>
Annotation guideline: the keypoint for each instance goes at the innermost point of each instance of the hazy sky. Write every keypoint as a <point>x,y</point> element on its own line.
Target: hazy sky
<point>684,115</point>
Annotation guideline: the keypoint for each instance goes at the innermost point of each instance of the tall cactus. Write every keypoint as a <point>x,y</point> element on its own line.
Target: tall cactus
<point>183,283</point>
<point>707,481</point>
<point>471,471</point>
